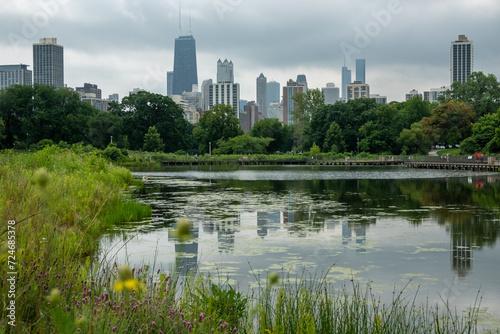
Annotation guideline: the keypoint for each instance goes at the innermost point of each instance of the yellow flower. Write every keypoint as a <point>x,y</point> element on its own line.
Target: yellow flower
<point>131,284</point>
<point>119,286</point>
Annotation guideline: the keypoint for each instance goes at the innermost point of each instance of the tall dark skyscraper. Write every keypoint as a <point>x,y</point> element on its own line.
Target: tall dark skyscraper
<point>185,70</point>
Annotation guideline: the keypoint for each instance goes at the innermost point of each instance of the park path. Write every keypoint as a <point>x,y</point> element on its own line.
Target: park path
<point>433,153</point>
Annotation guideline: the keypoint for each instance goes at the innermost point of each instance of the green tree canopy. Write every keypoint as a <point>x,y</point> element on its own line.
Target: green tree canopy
<point>43,112</point>
<point>153,141</point>
<point>305,105</point>
<point>413,140</point>
<point>219,123</point>
<point>480,91</point>
<point>450,123</point>
<point>349,116</point>
<point>414,110</point>
<point>380,135</point>
<point>104,128</point>
<point>484,132</point>
<point>142,110</point>
<point>244,144</point>
<point>334,141</point>
<point>272,128</point>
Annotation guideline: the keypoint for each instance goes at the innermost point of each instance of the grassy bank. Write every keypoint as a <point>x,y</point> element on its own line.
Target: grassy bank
<point>62,201</point>
<point>136,158</point>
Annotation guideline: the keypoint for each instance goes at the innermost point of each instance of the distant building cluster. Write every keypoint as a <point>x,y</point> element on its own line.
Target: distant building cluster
<point>48,69</point>
<point>271,99</point>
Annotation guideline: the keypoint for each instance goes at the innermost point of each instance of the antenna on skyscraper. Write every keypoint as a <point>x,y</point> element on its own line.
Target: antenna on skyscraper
<point>180,27</point>
<point>190,21</point>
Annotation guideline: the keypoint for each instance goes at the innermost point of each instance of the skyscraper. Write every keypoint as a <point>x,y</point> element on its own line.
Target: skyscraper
<point>225,71</point>
<point>346,79</point>
<point>170,83</point>
<point>262,94</point>
<point>331,93</point>
<point>289,91</point>
<point>360,70</point>
<point>273,92</point>
<point>205,92</point>
<point>462,59</point>
<point>185,70</point>
<point>302,81</point>
<point>11,75</point>
<point>48,63</point>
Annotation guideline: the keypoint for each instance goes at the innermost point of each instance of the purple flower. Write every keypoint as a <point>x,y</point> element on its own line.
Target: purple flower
<point>153,323</point>
<point>202,316</point>
<point>114,328</point>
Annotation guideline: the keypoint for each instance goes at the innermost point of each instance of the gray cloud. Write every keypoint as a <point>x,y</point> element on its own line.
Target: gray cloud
<point>122,44</point>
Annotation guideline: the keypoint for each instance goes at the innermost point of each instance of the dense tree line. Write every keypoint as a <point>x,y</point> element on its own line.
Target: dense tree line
<point>469,117</point>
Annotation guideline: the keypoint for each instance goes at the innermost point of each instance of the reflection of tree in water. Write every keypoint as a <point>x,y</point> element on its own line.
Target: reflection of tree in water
<point>468,209</point>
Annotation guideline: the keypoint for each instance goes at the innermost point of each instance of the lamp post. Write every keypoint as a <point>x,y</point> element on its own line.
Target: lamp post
<point>210,148</point>
<point>358,144</point>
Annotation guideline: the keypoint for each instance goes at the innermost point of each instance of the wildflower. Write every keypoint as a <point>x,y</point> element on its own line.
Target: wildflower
<point>183,230</point>
<point>273,278</point>
<point>55,295</point>
<point>202,316</point>
<point>126,280</point>
<point>41,177</point>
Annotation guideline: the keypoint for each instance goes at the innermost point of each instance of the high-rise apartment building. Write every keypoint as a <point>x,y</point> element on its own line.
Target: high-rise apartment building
<point>379,99</point>
<point>225,71</point>
<point>462,59</point>
<point>412,94</point>
<point>273,93</point>
<point>346,79</point>
<point>185,70</point>
<point>357,90</point>
<point>262,95</point>
<point>89,89</point>
<point>114,97</point>
<point>227,93</point>
<point>11,75</point>
<point>433,94</point>
<point>48,63</point>
<point>291,88</point>
<point>331,93</point>
<point>361,70</point>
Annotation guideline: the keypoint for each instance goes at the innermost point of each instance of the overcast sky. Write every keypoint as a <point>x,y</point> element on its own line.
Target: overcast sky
<point>122,44</point>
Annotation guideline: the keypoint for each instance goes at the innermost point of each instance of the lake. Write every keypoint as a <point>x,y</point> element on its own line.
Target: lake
<point>431,231</point>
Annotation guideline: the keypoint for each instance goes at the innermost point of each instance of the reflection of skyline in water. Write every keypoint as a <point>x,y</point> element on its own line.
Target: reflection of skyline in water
<point>380,230</point>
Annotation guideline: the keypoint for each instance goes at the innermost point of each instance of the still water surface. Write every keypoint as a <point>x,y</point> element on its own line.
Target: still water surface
<point>433,231</point>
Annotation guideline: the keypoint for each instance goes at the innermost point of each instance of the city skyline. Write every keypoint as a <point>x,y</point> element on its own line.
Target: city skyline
<point>128,45</point>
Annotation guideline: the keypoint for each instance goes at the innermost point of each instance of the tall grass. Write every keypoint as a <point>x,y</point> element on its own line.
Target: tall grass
<point>62,202</point>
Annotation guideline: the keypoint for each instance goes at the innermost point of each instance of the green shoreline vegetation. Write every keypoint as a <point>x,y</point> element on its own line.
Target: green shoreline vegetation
<point>63,199</point>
